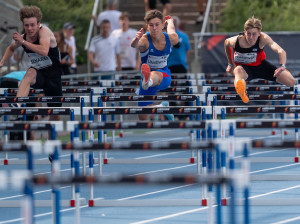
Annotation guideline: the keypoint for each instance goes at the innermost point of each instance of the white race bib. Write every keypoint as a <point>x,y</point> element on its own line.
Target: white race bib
<point>245,58</point>
<point>38,61</point>
<point>157,61</point>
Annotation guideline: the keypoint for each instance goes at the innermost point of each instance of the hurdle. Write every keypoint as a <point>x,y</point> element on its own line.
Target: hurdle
<point>50,126</point>
<point>146,146</point>
<point>31,148</point>
<point>173,76</point>
<point>275,88</point>
<point>231,82</point>
<point>129,82</point>
<point>102,90</point>
<point>213,179</point>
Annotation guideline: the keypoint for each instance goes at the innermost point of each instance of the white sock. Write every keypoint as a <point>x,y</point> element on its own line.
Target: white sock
<point>150,82</point>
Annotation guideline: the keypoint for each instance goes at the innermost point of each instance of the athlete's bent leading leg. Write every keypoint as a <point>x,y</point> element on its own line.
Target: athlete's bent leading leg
<point>28,80</point>
<point>240,76</point>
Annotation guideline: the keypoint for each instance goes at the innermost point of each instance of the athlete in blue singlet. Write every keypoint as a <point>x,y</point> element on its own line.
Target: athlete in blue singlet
<point>155,47</point>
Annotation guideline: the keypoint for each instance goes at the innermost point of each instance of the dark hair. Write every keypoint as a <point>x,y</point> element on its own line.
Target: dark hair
<point>104,21</point>
<point>62,42</point>
<point>124,15</point>
<point>29,12</point>
<point>153,14</point>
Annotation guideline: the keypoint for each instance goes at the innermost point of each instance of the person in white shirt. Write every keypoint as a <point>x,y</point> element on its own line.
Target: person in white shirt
<point>104,51</point>
<point>68,30</point>
<point>130,59</point>
<point>111,14</point>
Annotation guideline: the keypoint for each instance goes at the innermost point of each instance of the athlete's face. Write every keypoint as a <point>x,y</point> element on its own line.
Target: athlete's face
<point>105,29</point>
<point>252,35</point>
<point>155,26</point>
<point>124,23</point>
<point>31,26</point>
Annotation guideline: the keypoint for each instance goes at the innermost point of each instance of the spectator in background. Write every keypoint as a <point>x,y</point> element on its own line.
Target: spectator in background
<point>177,60</point>
<point>201,10</point>
<point>65,52</point>
<point>111,14</point>
<point>130,59</point>
<point>151,4</point>
<point>104,51</point>
<point>68,30</point>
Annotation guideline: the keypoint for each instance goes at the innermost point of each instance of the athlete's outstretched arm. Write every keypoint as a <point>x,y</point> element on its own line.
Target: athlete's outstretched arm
<point>228,44</point>
<point>135,43</point>
<point>171,30</point>
<point>9,52</point>
<point>276,48</point>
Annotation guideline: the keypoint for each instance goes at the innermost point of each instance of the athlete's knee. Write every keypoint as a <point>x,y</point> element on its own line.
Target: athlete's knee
<point>291,82</point>
<point>30,74</point>
<point>238,70</point>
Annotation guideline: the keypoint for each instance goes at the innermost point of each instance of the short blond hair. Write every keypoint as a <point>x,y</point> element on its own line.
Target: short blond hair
<point>29,12</point>
<point>253,23</point>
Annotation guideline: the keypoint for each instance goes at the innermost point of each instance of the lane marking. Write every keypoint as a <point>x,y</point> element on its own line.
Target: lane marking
<point>287,220</point>
<point>171,216</point>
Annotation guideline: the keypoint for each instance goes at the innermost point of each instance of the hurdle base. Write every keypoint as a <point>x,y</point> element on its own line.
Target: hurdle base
<point>72,202</point>
<point>150,161</point>
<point>224,201</point>
<point>148,203</point>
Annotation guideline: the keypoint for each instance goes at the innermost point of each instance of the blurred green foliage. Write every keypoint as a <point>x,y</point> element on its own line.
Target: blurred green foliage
<point>276,15</point>
<point>57,12</point>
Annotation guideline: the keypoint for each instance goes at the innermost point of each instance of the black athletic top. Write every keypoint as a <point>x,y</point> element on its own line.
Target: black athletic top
<point>251,56</point>
<point>49,64</point>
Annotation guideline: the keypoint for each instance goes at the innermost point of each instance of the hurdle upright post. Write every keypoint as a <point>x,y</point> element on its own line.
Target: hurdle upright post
<point>204,163</point>
<point>83,136</point>
<point>218,188</point>
<point>28,202</point>
<point>245,168</point>
<point>210,170</point>
<point>24,119</point>
<point>5,161</point>
<point>296,130</point>
<point>55,189</point>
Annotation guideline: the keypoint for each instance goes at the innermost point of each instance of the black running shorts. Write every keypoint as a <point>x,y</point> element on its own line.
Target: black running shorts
<point>263,71</point>
<point>50,84</point>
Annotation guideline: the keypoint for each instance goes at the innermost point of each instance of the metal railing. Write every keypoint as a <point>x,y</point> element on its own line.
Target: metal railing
<point>97,4</point>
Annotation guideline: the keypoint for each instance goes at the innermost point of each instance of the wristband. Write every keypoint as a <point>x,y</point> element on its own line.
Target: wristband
<point>232,65</point>
<point>23,41</point>
<point>282,65</point>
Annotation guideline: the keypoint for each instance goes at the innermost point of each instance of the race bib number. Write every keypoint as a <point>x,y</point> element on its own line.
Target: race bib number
<point>245,58</point>
<point>157,61</point>
<point>38,61</point>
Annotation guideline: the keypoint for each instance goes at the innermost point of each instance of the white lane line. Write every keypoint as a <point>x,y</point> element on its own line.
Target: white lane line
<point>38,192</point>
<point>156,171</point>
<point>274,192</point>
<point>287,220</point>
<point>155,192</point>
<point>158,155</point>
<point>170,216</point>
<point>274,168</point>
